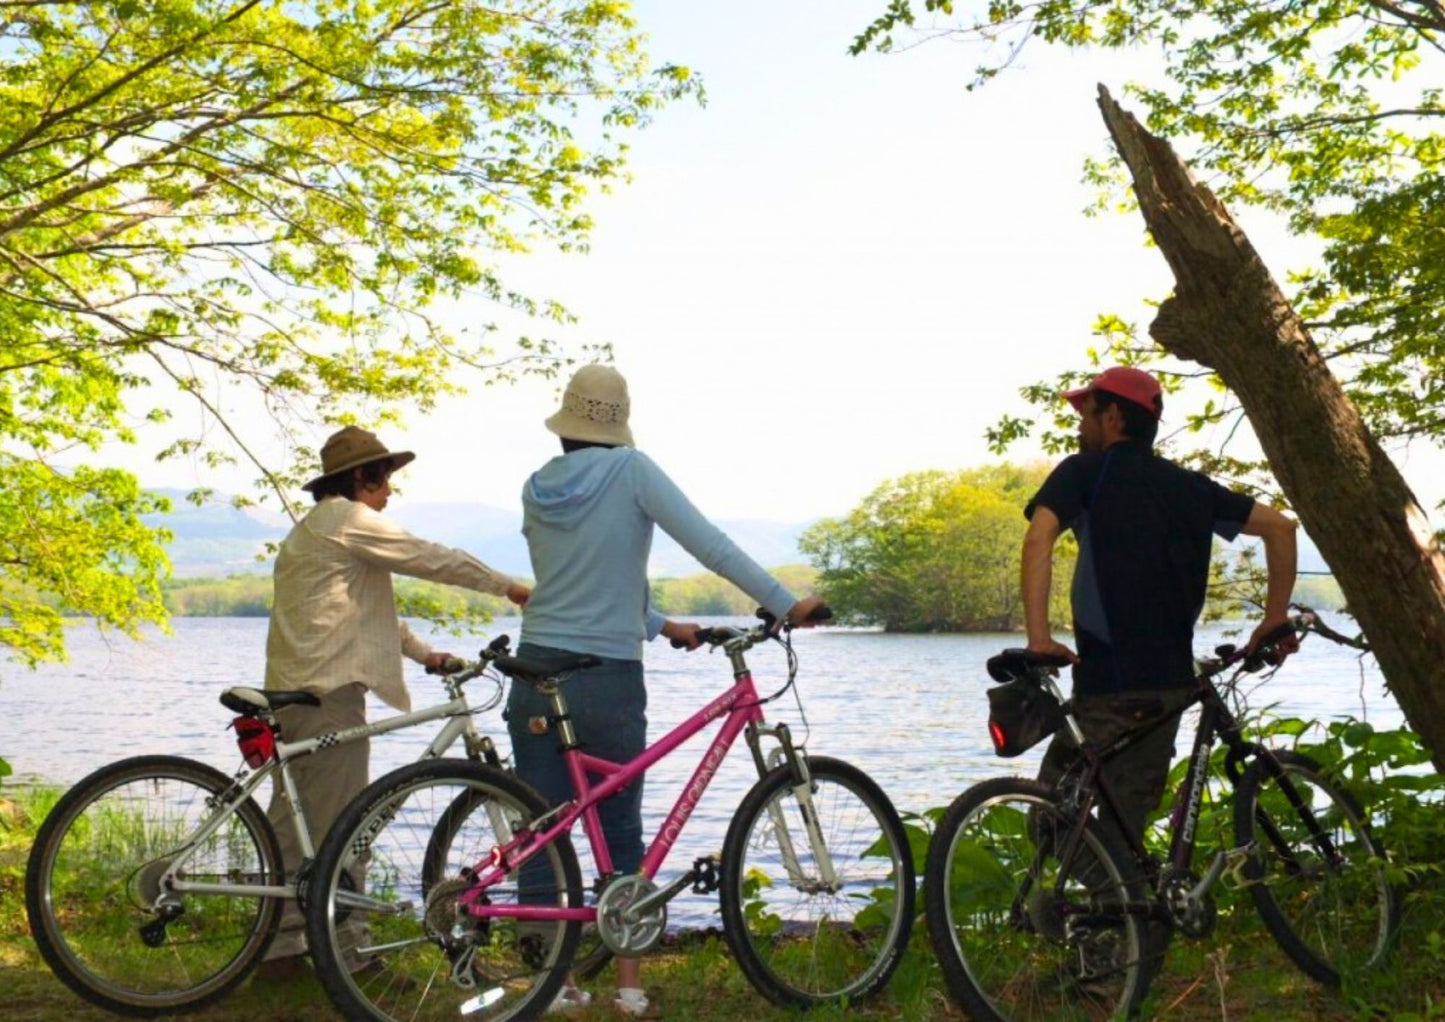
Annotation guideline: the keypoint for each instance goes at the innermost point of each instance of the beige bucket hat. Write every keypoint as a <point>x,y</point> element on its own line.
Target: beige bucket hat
<point>594,408</point>
<point>351,447</point>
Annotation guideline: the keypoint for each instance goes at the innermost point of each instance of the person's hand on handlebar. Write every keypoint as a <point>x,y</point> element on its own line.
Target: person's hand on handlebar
<point>683,634</point>
<point>437,662</point>
<point>1284,644</point>
<point>800,614</point>
<point>519,594</point>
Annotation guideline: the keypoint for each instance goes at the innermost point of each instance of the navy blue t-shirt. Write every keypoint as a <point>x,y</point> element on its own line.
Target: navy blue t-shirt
<point>1145,529</point>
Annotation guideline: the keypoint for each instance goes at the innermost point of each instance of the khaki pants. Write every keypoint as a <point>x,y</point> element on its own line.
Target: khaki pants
<point>325,781</point>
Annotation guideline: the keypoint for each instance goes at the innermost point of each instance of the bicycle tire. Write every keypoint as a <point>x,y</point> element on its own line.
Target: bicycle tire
<point>1330,921</point>
<point>394,952</point>
<point>792,948</point>
<point>1003,923</point>
<point>86,888</point>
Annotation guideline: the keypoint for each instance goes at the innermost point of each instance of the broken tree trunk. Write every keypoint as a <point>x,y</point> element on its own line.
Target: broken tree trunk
<point>1227,313</point>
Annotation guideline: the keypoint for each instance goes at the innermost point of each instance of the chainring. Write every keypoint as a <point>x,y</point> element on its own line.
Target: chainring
<point>1193,917</point>
<point>624,936</point>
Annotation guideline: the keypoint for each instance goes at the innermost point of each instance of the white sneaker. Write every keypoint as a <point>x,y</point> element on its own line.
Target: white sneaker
<point>569,998</point>
<point>634,1002</point>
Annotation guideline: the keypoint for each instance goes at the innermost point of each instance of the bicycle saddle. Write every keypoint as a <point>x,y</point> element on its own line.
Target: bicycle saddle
<point>534,669</point>
<point>1015,663</point>
<point>254,700</point>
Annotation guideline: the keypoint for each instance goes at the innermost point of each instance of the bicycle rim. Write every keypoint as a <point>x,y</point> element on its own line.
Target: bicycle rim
<point>388,933</point>
<point>1321,886</point>
<point>1017,936</point>
<point>801,939</point>
<point>94,878</point>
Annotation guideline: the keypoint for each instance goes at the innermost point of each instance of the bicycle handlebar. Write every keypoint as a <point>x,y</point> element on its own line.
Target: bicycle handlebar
<point>1266,653</point>
<point>498,647</point>
<point>718,635</point>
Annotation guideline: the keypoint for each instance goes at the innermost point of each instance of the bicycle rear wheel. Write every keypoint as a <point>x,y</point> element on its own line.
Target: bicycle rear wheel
<point>387,932</point>
<point>94,876</point>
<point>1018,936</point>
<point>800,937</point>
<point>1320,877</point>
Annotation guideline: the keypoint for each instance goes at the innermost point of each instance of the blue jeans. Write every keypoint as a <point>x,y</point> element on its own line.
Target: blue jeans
<point>608,705</point>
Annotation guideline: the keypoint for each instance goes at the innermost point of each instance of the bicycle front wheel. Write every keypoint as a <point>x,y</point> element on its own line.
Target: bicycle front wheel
<point>94,887</point>
<point>1018,935</point>
<point>1319,873</point>
<point>817,914</point>
<point>389,934</point>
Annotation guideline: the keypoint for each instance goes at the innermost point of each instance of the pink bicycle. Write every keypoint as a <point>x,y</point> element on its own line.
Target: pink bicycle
<point>418,910</point>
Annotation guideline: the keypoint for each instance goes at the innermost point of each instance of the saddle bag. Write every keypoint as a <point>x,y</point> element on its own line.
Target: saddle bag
<point>256,740</point>
<point>1020,715</point>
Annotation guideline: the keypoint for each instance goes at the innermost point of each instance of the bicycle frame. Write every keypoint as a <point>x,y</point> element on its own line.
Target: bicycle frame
<point>460,725</point>
<point>1215,722</point>
<point>743,712</point>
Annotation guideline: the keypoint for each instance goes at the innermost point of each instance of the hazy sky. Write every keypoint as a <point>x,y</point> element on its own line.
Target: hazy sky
<point>837,271</point>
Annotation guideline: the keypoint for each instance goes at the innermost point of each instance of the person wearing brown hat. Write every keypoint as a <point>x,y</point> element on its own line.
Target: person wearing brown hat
<point>1145,530</point>
<point>589,516</point>
<point>335,632</point>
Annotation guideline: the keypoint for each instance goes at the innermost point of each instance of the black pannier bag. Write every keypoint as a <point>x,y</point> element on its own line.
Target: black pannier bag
<point>1020,713</point>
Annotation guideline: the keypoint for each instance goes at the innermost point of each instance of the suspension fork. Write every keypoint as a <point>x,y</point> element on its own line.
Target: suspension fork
<point>1318,835</point>
<point>801,784</point>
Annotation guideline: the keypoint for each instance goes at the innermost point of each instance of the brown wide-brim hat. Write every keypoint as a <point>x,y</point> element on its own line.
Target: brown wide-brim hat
<point>351,447</point>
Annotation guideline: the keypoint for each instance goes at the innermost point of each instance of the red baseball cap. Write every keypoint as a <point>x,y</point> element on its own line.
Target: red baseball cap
<point>1127,382</point>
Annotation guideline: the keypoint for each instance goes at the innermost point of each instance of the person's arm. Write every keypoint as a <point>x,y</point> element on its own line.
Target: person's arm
<point>414,648</point>
<point>662,501</point>
<point>378,540</point>
<point>1280,562</point>
<point>1037,581</point>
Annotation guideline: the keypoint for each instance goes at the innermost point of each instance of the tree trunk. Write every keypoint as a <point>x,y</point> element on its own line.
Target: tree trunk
<point>1227,313</point>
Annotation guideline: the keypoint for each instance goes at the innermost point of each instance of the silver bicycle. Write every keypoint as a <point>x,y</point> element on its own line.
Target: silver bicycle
<point>155,884</point>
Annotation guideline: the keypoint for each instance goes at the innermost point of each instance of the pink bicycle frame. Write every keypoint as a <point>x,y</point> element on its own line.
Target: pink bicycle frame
<point>740,703</point>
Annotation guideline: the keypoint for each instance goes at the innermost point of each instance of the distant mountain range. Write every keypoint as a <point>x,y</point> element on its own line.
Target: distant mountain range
<point>217,539</point>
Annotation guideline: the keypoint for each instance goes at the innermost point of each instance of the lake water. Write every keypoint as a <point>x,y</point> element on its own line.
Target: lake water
<point>907,709</point>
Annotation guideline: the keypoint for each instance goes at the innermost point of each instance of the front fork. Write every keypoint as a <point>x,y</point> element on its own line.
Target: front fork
<point>801,784</point>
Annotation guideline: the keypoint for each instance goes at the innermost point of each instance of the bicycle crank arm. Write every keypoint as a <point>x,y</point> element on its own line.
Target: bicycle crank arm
<point>1216,870</point>
<point>662,896</point>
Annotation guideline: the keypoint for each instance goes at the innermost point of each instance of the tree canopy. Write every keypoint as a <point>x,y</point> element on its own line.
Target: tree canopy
<point>935,551</point>
<point>1325,112</point>
<point>260,211</point>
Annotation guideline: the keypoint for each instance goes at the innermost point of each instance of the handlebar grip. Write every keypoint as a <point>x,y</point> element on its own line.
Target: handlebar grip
<point>451,665</point>
<point>500,644</point>
<point>705,637</point>
<point>1264,653</point>
<point>1284,631</point>
<point>822,612</point>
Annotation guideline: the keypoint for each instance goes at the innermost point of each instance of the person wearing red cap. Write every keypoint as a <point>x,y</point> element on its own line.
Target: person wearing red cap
<point>1145,530</point>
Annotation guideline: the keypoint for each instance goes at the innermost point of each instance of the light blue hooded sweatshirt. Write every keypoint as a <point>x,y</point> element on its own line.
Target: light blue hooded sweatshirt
<point>588,519</point>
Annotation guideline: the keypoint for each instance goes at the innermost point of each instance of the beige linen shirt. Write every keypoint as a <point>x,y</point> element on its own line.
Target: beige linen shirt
<point>333,620</point>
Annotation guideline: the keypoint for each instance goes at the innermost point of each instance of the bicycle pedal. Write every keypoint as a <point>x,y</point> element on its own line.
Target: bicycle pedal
<point>705,875</point>
<point>1242,867</point>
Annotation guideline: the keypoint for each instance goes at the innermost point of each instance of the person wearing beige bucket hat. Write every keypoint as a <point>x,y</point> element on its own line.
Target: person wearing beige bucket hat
<point>588,516</point>
<point>335,632</point>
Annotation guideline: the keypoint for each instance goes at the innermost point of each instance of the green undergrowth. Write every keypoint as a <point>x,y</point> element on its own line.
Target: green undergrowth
<point>1235,973</point>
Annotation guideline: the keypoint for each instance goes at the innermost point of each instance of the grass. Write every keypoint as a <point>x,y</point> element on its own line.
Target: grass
<point>1235,974</point>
